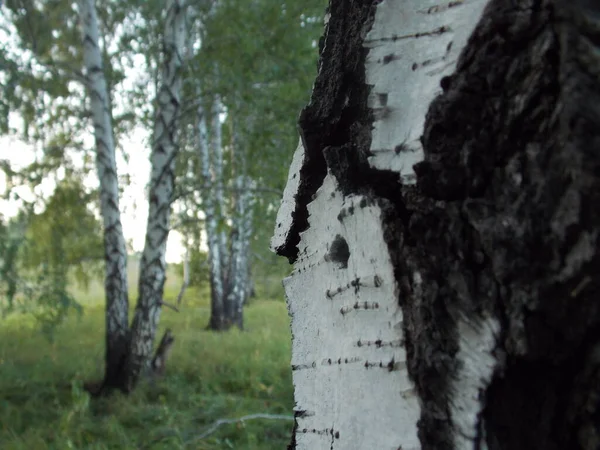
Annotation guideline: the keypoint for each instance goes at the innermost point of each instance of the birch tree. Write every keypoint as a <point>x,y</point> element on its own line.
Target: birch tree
<point>162,183</point>
<point>439,212</point>
<point>238,280</point>
<point>115,250</point>
<point>258,92</point>
<point>133,347</point>
<point>210,202</point>
<point>228,256</point>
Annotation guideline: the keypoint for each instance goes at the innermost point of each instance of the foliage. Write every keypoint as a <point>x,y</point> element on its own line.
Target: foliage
<point>43,252</point>
<point>11,239</point>
<point>198,267</point>
<point>261,58</point>
<point>66,235</point>
<point>210,376</point>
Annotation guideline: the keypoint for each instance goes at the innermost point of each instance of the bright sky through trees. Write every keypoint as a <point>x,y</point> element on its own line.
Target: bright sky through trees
<point>134,203</point>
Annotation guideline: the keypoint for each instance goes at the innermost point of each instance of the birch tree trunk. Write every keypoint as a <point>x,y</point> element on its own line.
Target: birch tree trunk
<point>209,200</point>
<point>162,181</point>
<point>186,271</point>
<point>219,183</point>
<point>115,251</point>
<point>241,231</point>
<point>240,248</point>
<point>441,216</point>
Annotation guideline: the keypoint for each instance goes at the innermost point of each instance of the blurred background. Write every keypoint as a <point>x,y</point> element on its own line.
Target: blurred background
<point>247,72</point>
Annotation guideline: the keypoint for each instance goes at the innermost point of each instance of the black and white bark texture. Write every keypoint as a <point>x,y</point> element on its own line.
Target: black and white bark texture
<point>440,216</point>
<point>129,350</point>
<point>162,184</point>
<point>115,250</point>
<point>229,264</point>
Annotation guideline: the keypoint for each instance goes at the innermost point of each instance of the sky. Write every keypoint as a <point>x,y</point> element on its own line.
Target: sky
<point>134,206</point>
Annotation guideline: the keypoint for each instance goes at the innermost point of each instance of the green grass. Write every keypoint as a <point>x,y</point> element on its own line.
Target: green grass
<point>209,376</point>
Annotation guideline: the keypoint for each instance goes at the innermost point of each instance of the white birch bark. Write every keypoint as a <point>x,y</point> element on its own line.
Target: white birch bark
<point>186,272</point>
<point>348,360</point>
<point>352,388</point>
<point>429,37</point>
<point>115,250</point>
<point>209,201</point>
<point>412,45</point>
<point>285,213</point>
<point>162,180</point>
<point>219,182</point>
<point>240,247</point>
<point>448,233</point>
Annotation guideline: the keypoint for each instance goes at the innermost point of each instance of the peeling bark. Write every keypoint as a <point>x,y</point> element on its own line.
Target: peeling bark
<point>440,216</point>
<point>115,250</point>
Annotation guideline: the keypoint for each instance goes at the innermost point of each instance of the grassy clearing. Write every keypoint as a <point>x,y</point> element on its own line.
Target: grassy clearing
<point>210,376</point>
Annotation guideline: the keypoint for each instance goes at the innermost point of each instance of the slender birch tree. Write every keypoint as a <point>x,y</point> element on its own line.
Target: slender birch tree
<point>239,264</point>
<point>440,216</point>
<point>209,200</point>
<point>228,255</point>
<point>248,85</point>
<point>115,250</point>
<point>162,184</point>
<point>130,351</point>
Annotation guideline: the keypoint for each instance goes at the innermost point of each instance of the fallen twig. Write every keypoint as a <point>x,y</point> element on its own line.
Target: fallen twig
<point>220,422</point>
<point>211,429</point>
<point>168,305</point>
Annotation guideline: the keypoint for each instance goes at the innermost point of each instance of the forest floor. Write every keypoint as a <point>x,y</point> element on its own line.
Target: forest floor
<point>210,376</point>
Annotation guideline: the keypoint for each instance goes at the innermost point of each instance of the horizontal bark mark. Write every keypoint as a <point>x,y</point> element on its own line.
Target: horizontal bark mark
<point>421,34</point>
<point>390,365</point>
<point>355,284</point>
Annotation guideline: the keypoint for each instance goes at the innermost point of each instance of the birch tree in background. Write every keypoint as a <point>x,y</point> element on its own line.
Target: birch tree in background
<point>212,147</point>
<point>115,251</point>
<point>130,351</point>
<point>238,280</point>
<point>162,184</point>
<point>440,214</point>
<point>228,253</point>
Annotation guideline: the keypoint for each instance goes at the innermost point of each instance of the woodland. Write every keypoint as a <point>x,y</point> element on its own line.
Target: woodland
<point>184,114</point>
<point>437,224</point>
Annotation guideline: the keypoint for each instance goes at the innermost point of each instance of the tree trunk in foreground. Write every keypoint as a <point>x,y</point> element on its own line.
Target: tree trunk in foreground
<point>115,250</point>
<point>441,214</point>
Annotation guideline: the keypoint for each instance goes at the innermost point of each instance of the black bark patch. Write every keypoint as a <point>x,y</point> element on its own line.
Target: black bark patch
<point>503,220</point>
<point>337,116</point>
<point>337,100</point>
<point>503,223</point>
<point>339,252</point>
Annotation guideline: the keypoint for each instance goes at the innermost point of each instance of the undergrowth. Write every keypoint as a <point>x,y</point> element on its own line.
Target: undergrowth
<point>209,376</point>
